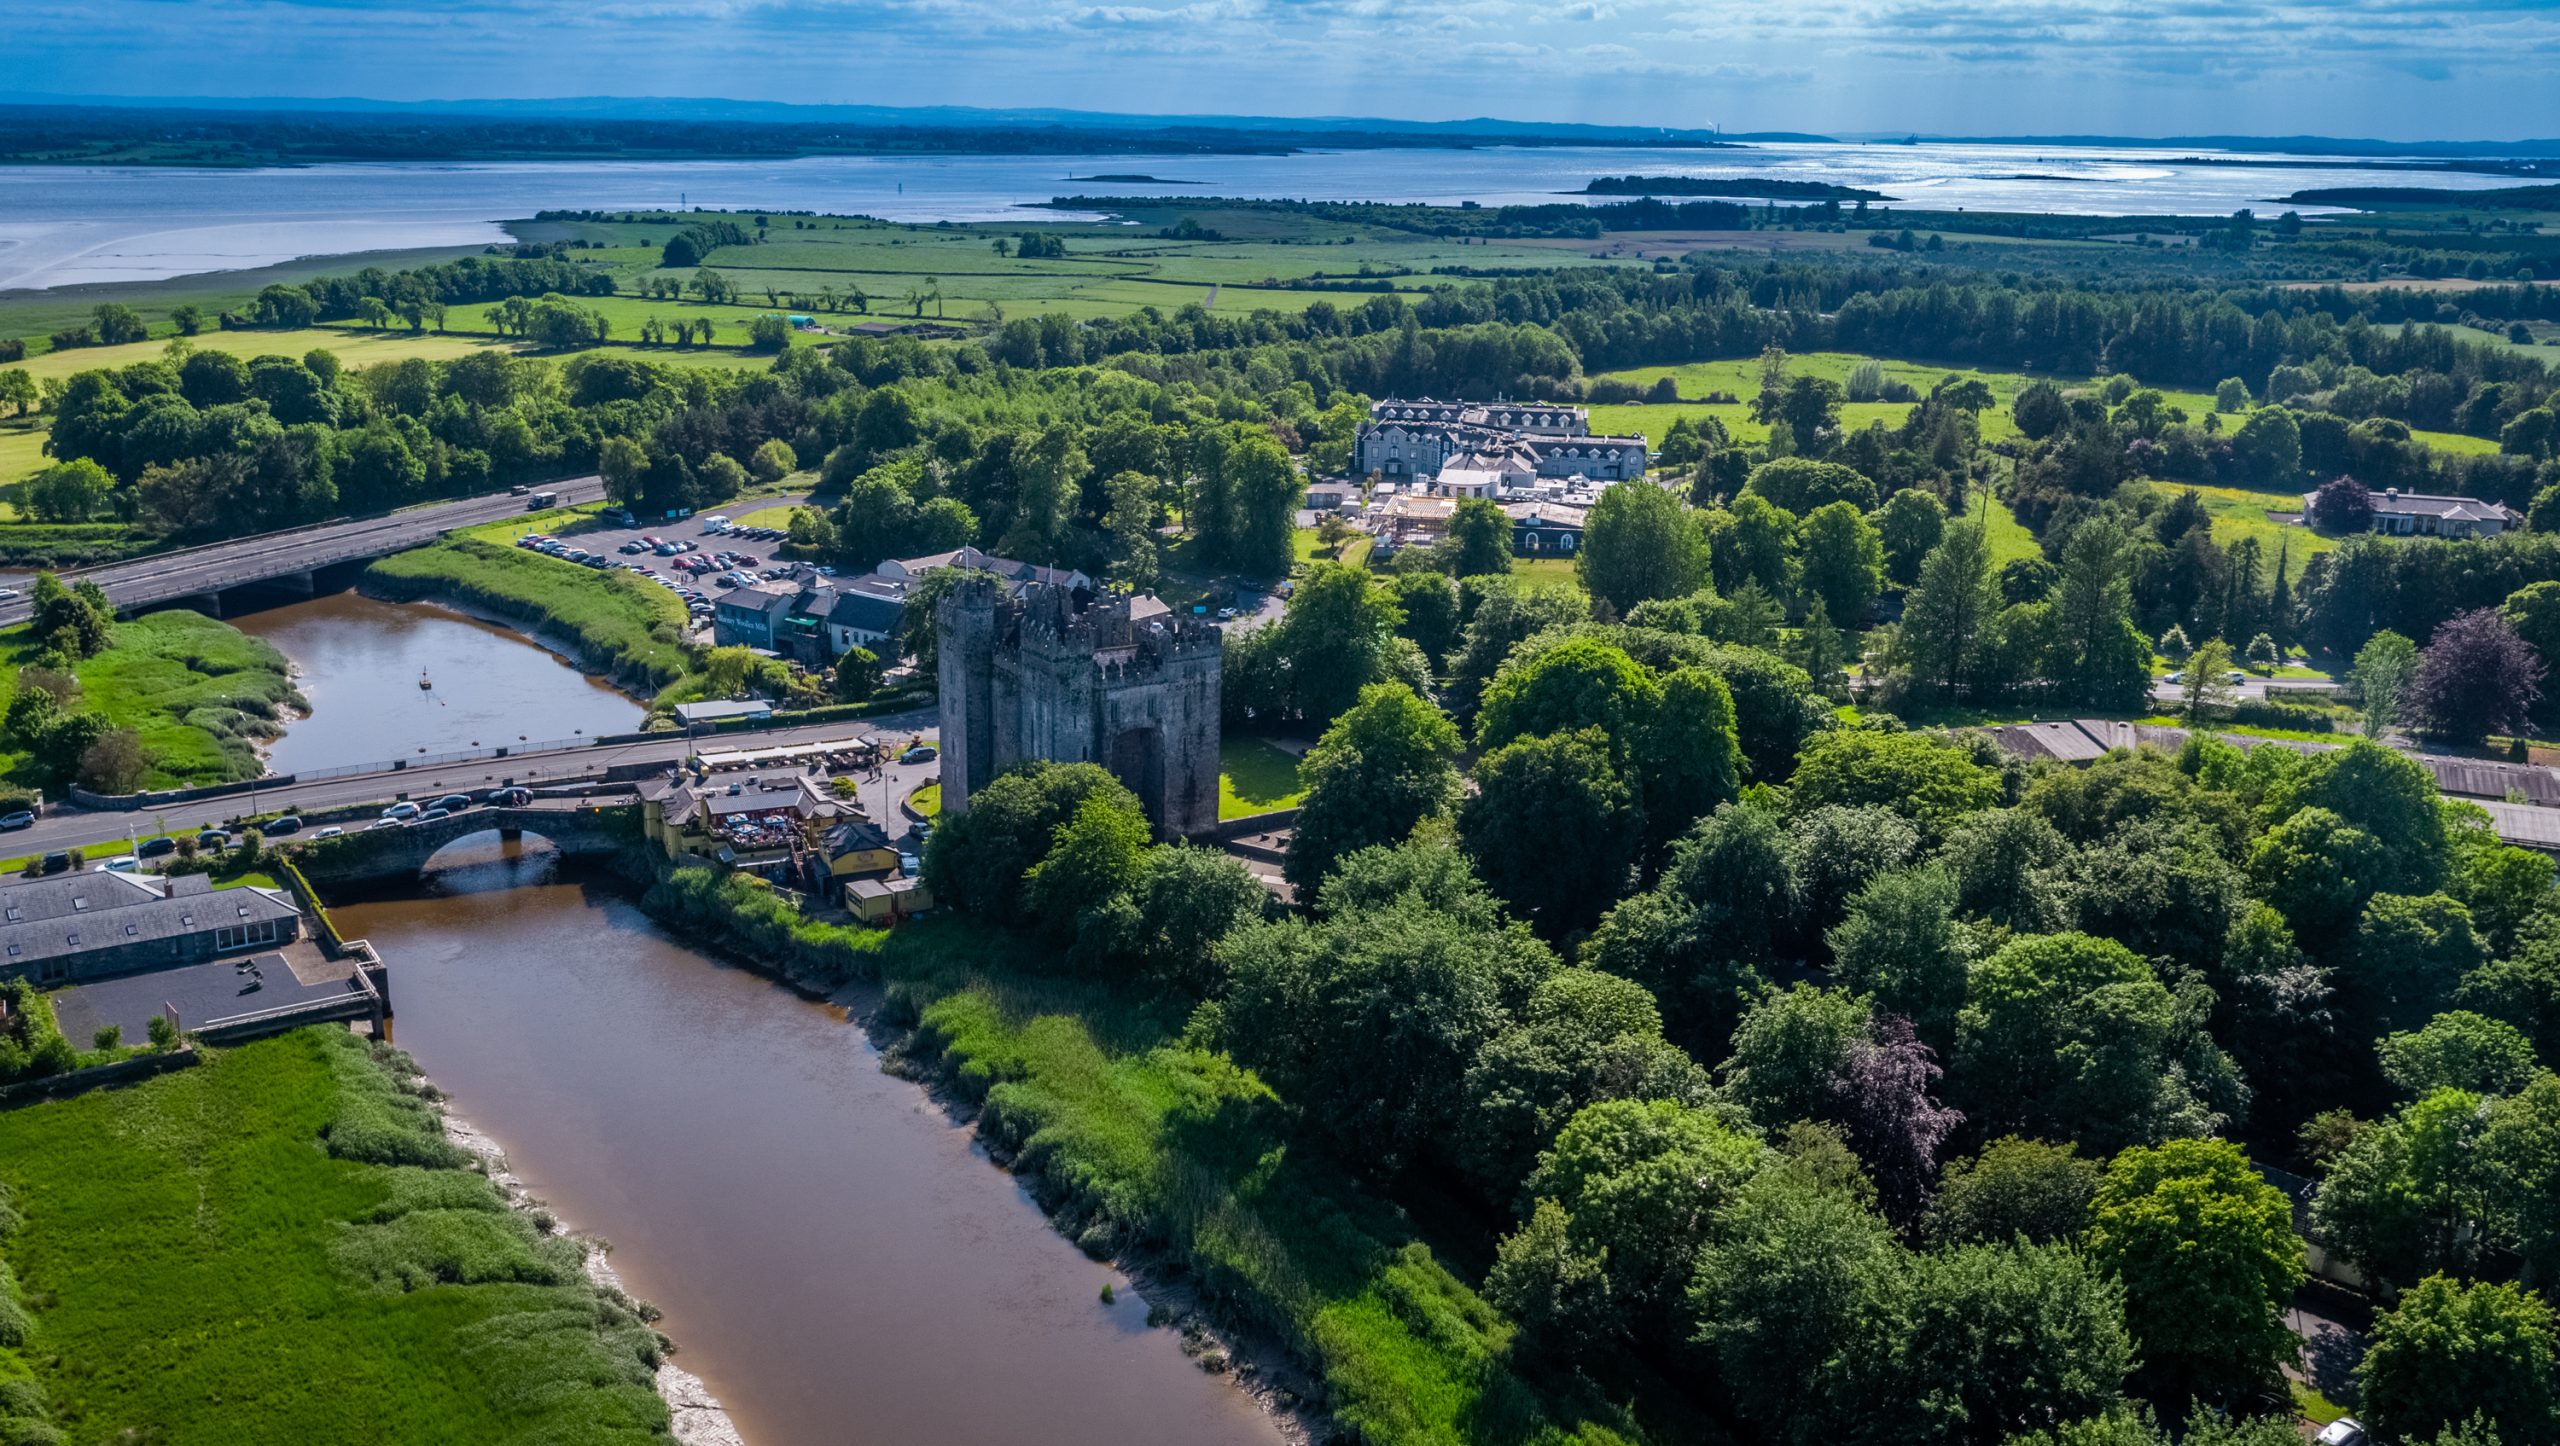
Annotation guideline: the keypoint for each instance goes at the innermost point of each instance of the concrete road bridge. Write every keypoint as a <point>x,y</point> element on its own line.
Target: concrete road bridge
<point>290,560</point>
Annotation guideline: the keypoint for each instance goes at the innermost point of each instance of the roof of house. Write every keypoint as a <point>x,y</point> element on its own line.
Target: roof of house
<point>1547,514</point>
<point>712,712</point>
<point>867,610</point>
<point>855,836</point>
<point>71,913</point>
<point>1003,567</point>
<point>2428,504</point>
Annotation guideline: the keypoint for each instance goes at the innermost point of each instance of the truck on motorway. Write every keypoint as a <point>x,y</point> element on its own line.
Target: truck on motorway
<point>543,500</point>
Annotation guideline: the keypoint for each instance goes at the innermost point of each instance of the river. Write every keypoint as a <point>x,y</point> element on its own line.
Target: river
<point>836,1259</point>
<point>358,660</point>
<point>63,225</point>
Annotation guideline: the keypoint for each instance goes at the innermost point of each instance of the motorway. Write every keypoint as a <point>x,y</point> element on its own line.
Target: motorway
<point>193,571</point>
<point>77,828</point>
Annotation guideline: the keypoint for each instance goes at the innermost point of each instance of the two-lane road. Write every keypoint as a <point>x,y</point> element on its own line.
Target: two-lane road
<point>73,828</point>
<point>194,571</point>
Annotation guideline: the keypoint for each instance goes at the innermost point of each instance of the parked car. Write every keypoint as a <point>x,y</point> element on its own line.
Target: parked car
<point>921,753</point>
<point>2345,1431</point>
<point>2174,679</point>
<point>12,822</point>
<point>56,861</point>
<point>213,840</point>
<point>332,831</point>
<point>401,812</point>
<point>283,823</point>
<point>121,864</point>
<point>152,848</point>
<point>452,803</point>
<point>631,549</point>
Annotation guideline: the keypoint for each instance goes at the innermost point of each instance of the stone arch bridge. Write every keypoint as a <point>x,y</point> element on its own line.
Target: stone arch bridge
<point>374,855</point>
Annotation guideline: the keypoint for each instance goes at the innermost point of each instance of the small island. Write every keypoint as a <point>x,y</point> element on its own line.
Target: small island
<point>1128,180</point>
<point>1753,187</point>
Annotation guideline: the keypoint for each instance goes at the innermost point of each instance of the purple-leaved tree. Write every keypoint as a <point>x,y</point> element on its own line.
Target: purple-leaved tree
<point>1882,1096</point>
<point>2477,676</point>
<point>2342,505</point>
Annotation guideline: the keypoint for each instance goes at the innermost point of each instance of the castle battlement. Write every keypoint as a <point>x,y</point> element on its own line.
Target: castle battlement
<point>1061,673</point>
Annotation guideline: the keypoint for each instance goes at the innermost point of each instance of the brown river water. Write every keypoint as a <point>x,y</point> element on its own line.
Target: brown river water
<point>358,661</point>
<point>836,1259</point>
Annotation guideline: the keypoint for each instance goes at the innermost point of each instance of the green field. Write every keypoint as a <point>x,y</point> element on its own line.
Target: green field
<point>277,1245</point>
<point>2238,513</point>
<point>1255,776</point>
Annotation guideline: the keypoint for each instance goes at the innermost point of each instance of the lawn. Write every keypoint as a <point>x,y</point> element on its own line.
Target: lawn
<point>2238,513</point>
<point>204,1269</point>
<point>1255,776</point>
<point>1546,574</point>
<point>2010,539</point>
<point>22,454</point>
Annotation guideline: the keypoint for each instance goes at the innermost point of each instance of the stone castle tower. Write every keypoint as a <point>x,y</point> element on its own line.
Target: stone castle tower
<point>1071,677</point>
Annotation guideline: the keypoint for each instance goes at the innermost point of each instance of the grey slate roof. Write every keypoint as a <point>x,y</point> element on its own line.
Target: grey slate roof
<point>73,913</point>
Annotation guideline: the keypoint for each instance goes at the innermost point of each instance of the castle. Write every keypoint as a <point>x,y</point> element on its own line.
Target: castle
<point>1062,674</point>
<point>1512,441</point>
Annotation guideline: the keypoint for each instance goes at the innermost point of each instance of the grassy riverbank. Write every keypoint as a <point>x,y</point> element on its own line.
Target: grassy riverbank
<point>198,691</point>
<point>617,623</point>
<point>1138,1145</point>
<point>280,1245</point>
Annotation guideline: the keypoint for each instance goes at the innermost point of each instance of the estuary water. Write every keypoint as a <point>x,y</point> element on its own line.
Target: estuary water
<point>358,660</point>
<point>62,226</point>
<point>835,1258</point>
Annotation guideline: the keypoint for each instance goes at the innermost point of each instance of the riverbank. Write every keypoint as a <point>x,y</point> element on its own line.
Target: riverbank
<point>199,1272</point>
<point>199,693</point>
<point>1174,1161</point>
<point>616,624</point>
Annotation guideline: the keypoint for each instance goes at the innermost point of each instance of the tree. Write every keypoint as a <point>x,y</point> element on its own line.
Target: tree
<point>2263,655</point>
<point>1182,902</point>
<point>1927,780</point>
<point>773,461</point>
<point>1092,858</point>
<point>2209,1261</point>
<point>2342,505</point>
<point>977,859</point>
<point>1910,523</point>
<point>1799,1298</point>
<point>1386,764</point>
<point>1429,604</point>
<point>72,491</point>
<point>1580,683</point>
<point>1898,944</point>
<point>1553,827</point>
<point>1843,560</point>
<point>1263,488</point>
<point>2411,951</point>
<point>2520,1171</point>
<point>1789,1052</point>
<point>1884,1103</point>
<point>1949,611</point>
<point>1479,538</point>
<point>2476,677</point>
<point>856,675</point>
<point>1333,635</point>
<point>2066,1036</point>
<point>1555,1291</point>
<point>2458,1050</point>
<point>2014,1188</point>
<point>2039,410</point>
<point>2207,690</point>
<point>1408,988</point>
<point>2232,395</point>
<point>2403,1197</point>
<point>1802,486</point>
<point>1640,1183</point>
<point>2007,1338</point>
<point>1582,1037</point>
<point>2383,670</point>
<point>76,622</point>
<point>117,763</point>
<point>1640,542</point>
<point>2451,1350</point>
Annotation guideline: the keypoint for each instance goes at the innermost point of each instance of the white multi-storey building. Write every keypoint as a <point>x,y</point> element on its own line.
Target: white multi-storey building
<point>1513,441</point>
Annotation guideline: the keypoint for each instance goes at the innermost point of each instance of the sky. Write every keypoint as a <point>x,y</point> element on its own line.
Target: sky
<point>2392,69</point>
